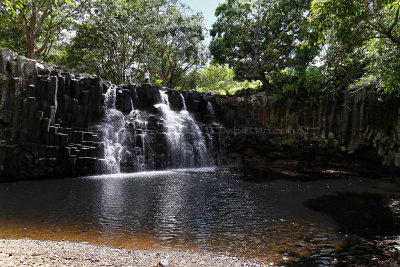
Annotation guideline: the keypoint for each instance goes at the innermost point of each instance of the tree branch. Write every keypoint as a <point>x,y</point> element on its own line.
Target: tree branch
<point>42,21</point>
<point>396,19</point>
<point>44,46</point>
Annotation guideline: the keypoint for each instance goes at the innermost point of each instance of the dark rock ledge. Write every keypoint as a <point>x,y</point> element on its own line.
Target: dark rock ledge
<point>48,118</point>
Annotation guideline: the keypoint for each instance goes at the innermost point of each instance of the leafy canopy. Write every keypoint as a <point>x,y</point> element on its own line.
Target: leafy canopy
<point>178,45</point>
<point>158,35</point>
<point>369,29</point>
<point>35,25</point>
<point>260,38</point>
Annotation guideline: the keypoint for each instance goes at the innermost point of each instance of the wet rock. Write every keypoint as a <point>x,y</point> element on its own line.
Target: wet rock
<point>95,96</point>
<point>90,166</point>
<point>124,101</point>
<point>127,106</point>
<point>175,100</point>
<point>61,139</point>
<point>83,98</point>
<point>76,137</point>
<point>134,96</point>
<point>147,97</point>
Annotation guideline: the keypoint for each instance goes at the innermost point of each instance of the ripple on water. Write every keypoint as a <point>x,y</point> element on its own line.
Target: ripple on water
<point>206,209</point>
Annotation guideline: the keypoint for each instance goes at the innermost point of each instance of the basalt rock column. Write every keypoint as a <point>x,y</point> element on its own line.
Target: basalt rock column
<point>46,118</point>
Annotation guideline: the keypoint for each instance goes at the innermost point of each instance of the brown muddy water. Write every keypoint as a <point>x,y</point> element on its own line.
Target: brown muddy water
<point>291,221</point>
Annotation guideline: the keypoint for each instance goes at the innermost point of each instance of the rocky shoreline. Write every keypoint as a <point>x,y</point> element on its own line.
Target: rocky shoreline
<point>26,252</point>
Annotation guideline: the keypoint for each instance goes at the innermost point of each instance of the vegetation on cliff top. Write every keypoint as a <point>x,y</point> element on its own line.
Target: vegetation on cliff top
<point>299,47</point>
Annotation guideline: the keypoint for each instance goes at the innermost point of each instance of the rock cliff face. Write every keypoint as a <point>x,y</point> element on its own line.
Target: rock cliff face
<point>45,119</point>
<point>352,133</point>
<point>59,124</point>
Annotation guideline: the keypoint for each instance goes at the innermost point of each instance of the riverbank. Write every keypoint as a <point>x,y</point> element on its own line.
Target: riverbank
<point>26,252</point>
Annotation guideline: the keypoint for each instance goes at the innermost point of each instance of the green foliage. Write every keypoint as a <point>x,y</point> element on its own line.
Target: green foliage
<point>300,82</point>
<point>177,44</point>
<point>384,64</point>
<point>355,22</point>
<point>313,79</point>
<point>343,68</point>
<point>268,43</point>
<point>259,39</point>
<point>362,39</point>
<point>114,34</point>
<point>12,6</point>
<point>217,79</point>
<point>156,35</point>
<point>33,26</point>
<point>189,80</point>
<point>10,33</point>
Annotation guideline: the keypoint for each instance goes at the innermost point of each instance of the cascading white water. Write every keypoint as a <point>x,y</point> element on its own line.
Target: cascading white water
<point>215,128</point>
<point>205,158</point>
<point>187,145</point>
<point>111,128</point>
<point>147,140</point>
<point>211,111</point>
<point>117,134</point>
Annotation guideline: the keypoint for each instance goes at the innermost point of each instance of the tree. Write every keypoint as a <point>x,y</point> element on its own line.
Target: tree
<point>260,38</point>
<point>215,78</point>
<point>367,27</point>
<point>178,44</point>
<point>10,33</point>
<point>356,22</point>
<point>38,21</point>
<point>152,35</point>
<point>115,33</point>
<point>12,5</point>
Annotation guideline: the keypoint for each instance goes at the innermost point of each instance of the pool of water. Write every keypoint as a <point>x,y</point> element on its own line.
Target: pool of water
<point>202,209</point>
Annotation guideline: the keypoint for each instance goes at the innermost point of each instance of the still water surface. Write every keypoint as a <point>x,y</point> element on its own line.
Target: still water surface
<point>203,209</point>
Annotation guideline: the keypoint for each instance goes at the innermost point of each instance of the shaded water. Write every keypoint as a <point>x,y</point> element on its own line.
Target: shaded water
<point>203,209</point>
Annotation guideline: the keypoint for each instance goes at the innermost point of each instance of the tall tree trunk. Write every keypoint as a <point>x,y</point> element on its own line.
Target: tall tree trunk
<point>123,59</point>
<point>30,49</point>
<point>266,85</point>
<point>171,81</point>
<point>164,80</point>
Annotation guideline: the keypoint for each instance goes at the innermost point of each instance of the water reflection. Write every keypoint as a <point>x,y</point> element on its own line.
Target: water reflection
<point>170,200</point>
<point>112,203</point>
<point>205,209</point>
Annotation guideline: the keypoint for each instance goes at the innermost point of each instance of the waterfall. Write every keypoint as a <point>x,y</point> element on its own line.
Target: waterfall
<point>152,138</point>
<point>211,111</point>
<point>110,128</point>
<point>216,136</point>
<point>186,143</point>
